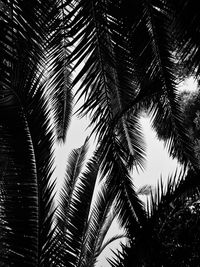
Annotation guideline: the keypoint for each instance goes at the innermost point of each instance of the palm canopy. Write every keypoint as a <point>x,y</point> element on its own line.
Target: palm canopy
<point>129,61</point>
<point>119,56</point>
<point>128,49</point>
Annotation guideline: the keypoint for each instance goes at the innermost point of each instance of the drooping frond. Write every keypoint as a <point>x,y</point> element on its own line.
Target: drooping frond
<point>106,77</point>
<point>147,27</point>
<point>58,68</point>
<point>26,132</point>
<point>19,204</point>
<point>165,101</point>
<point>37,115</point>
<point>73,171</point>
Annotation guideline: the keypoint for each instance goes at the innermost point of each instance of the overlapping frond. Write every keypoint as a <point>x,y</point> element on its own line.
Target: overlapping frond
<point>167,109</point>
<point>107,83</point>
<point>37,115</point>
<point>128,62</point>
<point>129,207</point>
<point>123,56</point>
<point>153,50</point>
<point>106,77</point>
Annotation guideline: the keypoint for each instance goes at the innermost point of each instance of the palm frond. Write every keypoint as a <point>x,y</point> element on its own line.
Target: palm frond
<point>98,225</point>
<point>115,169</point>
<point>23,89</point>
<point>59,70</point>
<point>20,181</point>
<point>37,115</point>
<point>73,171</point>
<point>106,79</point>
<point>164,195</point>
<point>151,48</point>
<point>19,204</point>
<point>130,208</point>
<point>166,107</point>
<point>76,199</point>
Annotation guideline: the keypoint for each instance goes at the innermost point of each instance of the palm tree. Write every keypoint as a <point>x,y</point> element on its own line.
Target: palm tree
<point>119,56</point>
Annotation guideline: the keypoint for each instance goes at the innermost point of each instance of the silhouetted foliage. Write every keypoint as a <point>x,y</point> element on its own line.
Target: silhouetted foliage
<point>119,56</point>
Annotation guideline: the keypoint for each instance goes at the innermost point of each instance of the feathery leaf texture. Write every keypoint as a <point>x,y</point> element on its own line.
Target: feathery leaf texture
<point>27,139</point>
<point>76,221</point>
<point>120,57</point>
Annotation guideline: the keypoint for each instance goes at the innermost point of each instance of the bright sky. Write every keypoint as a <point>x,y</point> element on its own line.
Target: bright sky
<point>158,162</point>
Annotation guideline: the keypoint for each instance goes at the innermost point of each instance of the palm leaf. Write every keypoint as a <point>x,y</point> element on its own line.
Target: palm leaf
<point>106,79</point>
<point>116,170</point>
<point>160,72</point>
<point>28,117</point>
<point>36,111</point>
<point>148,34</point>
<point>74,168</point>
<point>107,52</point>
<point>76,197</point>
<point>169,102</point>
<point>20,210</point>
<point>108,86</point>
<point>59,70</point>
<point>98,225</point>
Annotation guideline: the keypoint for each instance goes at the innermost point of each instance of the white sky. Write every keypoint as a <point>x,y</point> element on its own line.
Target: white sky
<point>158,162</point>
